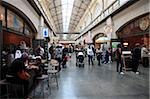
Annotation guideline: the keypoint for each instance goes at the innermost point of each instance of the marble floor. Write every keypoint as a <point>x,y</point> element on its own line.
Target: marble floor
<point>98,82</point>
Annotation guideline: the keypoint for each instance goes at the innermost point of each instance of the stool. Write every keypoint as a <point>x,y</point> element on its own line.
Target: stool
<point>43,77</point>
<point>7,84</point>
<point>13,85</point>
<point>52,73</point>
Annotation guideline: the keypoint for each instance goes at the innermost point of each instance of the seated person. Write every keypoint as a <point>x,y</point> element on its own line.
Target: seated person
<point>20,75</point>
<point>38,66</point>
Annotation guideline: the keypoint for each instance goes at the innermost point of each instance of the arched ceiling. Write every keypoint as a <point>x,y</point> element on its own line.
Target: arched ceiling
<point>57,10</point>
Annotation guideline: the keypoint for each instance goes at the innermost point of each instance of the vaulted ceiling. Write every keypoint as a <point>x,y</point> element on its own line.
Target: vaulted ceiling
<point>60,9</point>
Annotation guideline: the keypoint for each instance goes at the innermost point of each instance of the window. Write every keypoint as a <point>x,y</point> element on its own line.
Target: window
<point>107,3</point>
<point>97,10</point>
<point>14,21</point>
<point>2,15</point>
<point>123,1</point>
<point>27,30</point>
<point>67,6</point>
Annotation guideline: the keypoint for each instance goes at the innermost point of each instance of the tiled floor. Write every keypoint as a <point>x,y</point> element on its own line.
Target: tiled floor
<point>99,82</point>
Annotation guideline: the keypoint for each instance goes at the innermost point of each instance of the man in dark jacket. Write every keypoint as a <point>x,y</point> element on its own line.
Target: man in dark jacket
<point>136,56</point>
<point>119,58</point>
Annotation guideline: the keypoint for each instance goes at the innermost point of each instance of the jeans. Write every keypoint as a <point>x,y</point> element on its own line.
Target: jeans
<point>119,62</point>
<point>135,64</point>
<point>90,59</point>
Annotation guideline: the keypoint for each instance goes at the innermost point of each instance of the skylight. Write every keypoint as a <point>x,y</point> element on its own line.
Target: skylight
<point>67,6</point>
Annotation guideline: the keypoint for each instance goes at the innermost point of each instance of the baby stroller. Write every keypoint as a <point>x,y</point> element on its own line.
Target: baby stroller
<point>80,59</point>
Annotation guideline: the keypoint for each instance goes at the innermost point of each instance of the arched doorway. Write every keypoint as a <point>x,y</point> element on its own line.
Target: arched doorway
<point>99,39</point>
<point>135,31</point>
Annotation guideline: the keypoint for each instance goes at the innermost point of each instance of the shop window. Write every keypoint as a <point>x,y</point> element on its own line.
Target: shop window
<point>27,30</point>
<point>14,22</point>
<point>2,15</point>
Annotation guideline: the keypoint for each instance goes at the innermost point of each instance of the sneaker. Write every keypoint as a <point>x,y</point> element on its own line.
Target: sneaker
<point>137,73</point>
<point>122,73</point>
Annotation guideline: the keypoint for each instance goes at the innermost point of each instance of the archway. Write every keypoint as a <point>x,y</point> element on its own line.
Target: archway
<point>135,31</point>
<point>99,39</point>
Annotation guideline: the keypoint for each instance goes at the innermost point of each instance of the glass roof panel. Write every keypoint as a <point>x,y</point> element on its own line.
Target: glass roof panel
<point>67,6</point>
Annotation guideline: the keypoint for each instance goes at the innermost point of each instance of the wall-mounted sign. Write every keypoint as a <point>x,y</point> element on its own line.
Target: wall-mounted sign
<point>45,32</point>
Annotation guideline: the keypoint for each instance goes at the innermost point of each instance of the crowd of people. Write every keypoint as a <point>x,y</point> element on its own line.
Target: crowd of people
<point>20,66</point>
<point>139,54</point>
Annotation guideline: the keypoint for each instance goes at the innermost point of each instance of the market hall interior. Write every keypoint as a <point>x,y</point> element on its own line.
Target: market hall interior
<point>74,49</point>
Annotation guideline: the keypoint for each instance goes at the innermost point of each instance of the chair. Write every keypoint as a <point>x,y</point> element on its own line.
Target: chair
<point>52,73</point>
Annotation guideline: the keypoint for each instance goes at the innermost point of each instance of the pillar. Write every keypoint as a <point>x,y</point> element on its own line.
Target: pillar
<point>41,26</point>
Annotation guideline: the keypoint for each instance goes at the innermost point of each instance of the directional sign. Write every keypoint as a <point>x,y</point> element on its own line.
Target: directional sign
<point>45,32</point>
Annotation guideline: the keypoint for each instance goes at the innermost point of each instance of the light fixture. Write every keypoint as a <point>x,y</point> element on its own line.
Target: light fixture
<point>125,43</point>
<point>1,17</point>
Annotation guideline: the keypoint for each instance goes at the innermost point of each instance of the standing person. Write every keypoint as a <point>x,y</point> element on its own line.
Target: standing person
<point>99,56</point>
<point>106,57</point>
<point>110,54</point>
<point>65,52</point>
<point>51,51</point>
<point>144,56</point>
<point>136,56</point>
<point>119,58</point>
<point>49,45</point>
<point>58,53</point>
<point>90,54</point>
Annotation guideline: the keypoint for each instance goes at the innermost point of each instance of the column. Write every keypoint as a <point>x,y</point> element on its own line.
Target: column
<point>41,26</point>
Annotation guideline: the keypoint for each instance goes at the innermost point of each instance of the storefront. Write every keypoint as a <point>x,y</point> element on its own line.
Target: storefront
<point>135,31</point>
<point>16,27</point>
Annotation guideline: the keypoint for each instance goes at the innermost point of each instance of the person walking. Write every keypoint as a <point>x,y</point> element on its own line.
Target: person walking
<point>119,59</point>
<point>99,56</point>
<point>144,56</point>
<point>136,56</point>
<point>90,54</point>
